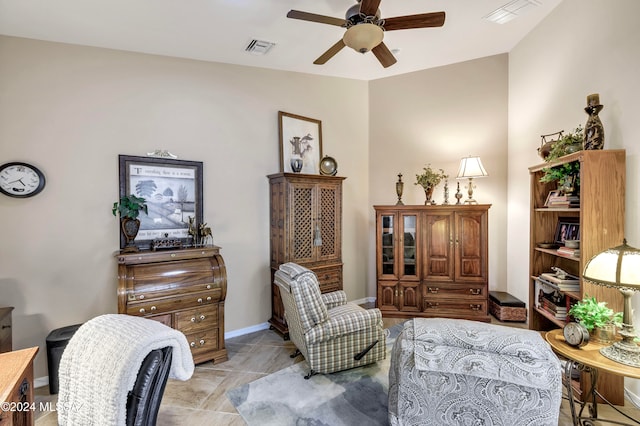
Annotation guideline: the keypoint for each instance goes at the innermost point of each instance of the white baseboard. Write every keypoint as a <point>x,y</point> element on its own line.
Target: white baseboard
<point>247,330</point>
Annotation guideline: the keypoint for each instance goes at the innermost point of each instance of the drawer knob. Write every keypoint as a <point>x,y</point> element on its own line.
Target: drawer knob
<point>193,319</point>
<point>201,342</point>
<point>199,299</point>
<point>432,305</point>
<point>209,299</point>
<point>141,297</point>
<point>202,317</point>
<point>153,308</point>
<point>193,344</point>
<point>475,291</point>
<point>208,286</point>
<point>142,311</point>
<point>475,307</point>
<point>434,289</point>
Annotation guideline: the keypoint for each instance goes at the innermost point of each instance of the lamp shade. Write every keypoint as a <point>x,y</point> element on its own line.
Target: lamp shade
<point>363,37</point>
<point>615,267</point>
<point>471,167</point>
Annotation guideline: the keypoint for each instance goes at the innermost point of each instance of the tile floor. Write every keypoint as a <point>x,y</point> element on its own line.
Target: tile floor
<point>202,401</point>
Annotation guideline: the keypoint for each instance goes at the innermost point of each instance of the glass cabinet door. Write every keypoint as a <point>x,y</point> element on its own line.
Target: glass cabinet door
<point>409,246</point>
<point>387,261</point>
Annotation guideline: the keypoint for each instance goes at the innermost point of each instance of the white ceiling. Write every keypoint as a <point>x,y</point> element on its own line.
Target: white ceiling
<point>219,31</point>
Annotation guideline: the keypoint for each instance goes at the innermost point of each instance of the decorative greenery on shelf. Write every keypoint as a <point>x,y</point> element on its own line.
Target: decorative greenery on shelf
<point>568,144</point>
<point>591,313</point>
<point>429,177</point>
<point>130,206</point>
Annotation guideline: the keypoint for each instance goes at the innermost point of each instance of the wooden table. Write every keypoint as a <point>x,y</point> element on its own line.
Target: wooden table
<point>588,359</point>
<point>16,387</point>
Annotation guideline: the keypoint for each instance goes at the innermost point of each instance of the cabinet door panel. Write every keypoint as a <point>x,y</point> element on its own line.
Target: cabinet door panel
<point>386,297</point>
<point>386,242</point>
<point>409,247</point>
<point>439,251</point>
<point>329,219</point>
<point>301,223</point>
<point>471,246</point>
<point>409,297</point>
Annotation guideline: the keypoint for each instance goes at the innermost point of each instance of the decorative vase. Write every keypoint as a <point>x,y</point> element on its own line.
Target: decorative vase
<point>130,228</point>
<point>296,165</point>
<point>593,130</point>
<point>428,193</point>
<point>399,189</point>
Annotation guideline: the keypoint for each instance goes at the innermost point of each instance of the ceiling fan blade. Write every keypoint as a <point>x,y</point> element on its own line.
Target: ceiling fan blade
<point>312,17</point>
<point>384,55</point>
<point>330,53</point>
<point>369,7</point>
<point>423,20</point>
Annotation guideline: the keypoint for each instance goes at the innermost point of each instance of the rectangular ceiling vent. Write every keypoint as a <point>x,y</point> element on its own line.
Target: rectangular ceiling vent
<point>511,11</point>
<point>259,47</point>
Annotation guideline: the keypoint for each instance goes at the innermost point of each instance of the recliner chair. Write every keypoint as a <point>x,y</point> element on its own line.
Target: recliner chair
<point>333,335</point>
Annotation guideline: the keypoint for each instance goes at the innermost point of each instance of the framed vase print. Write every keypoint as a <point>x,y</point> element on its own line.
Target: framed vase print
<point>300,143</point>
<point>172,190</point>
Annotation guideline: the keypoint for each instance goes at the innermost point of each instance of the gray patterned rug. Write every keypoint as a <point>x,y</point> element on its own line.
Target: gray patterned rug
<point>351,397</point>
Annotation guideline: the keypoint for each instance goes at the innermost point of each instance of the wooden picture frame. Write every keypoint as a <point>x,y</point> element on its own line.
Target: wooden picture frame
<point>554,193</point>
<point>568,228</point>
<point>172,190</point>
<point>300,139</point>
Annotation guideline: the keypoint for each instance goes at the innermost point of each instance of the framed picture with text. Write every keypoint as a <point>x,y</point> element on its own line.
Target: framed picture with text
<point>172,190</point>
<point>300,143</point>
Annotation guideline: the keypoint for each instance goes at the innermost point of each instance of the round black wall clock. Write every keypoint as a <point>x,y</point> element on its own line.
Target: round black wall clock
<point>20,180</point>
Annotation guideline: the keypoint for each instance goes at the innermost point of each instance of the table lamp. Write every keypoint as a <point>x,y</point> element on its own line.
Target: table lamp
<point>619,267</point>
<point>471,167</point>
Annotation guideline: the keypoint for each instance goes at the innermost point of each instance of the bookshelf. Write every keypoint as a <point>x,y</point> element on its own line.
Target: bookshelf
<point>600,215</point>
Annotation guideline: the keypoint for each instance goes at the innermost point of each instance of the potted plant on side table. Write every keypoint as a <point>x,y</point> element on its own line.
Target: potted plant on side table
<point>129,208</point>
<point>600,321</point>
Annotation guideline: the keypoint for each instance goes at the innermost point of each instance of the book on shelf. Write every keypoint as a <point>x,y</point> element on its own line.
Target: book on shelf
<point>563,201</point>
<point>566,251</point>
<point>559,284</point>
<point>550,299</point>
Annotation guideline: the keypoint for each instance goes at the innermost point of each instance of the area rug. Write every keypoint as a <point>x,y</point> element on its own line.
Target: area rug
<point>351,397</point>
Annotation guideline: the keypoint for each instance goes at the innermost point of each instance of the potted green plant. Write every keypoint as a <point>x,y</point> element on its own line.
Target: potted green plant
<point>129,208</point>
<point>429,179</point>
<point>596,317</point>
<point>568,174</point>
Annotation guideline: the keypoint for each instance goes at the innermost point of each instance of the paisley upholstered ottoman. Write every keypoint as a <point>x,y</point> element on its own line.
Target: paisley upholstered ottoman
<point>458,372</point>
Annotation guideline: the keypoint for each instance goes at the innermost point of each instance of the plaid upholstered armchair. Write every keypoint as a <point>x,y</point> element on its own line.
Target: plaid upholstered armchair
<point>332,334</point>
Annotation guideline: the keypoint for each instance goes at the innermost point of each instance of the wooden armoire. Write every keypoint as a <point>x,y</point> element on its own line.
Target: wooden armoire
<point>306,228</point>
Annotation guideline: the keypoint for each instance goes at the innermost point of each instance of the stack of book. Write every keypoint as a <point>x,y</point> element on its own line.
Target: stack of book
<point>550,300</point>
<point>566,251</point>
<point>562,283</point>
<point>563,201</point>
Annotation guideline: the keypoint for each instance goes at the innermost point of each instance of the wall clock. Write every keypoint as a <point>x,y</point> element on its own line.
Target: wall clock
<point>20,180</point>
<point>575,334</point>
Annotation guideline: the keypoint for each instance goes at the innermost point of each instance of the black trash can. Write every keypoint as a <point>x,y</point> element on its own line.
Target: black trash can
<point>56,342</point>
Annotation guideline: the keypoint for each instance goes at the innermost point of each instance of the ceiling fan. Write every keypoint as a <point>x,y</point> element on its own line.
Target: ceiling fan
<point>365,29</point>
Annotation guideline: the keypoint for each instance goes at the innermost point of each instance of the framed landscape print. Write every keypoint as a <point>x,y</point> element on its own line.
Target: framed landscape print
<point>300,143</point>
<point>172,190</point>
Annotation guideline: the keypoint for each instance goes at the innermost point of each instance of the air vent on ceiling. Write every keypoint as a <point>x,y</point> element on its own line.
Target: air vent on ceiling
<point>259,47</point>
<point>511,11</point>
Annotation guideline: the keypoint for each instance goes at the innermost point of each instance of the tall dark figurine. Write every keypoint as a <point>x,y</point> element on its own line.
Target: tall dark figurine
<point>593,130</point>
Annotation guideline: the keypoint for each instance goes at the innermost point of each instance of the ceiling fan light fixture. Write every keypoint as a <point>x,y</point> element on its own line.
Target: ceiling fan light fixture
<point>363,37</point>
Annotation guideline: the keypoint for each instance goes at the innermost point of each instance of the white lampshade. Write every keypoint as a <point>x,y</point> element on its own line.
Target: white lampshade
<point>471,167</point>
<point>363,37</point>
<point>615,267</point>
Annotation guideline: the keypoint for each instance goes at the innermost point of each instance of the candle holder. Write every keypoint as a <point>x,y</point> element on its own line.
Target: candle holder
<point>399,189</point>
<point>458,194</point>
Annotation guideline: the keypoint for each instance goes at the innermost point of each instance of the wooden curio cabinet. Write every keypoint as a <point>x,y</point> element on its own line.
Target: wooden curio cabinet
<point>305,228</point>
<point>184,289</point>
<point>431,261</point>
<point>600,212</point>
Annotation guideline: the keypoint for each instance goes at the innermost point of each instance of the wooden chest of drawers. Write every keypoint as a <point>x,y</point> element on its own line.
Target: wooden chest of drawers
<point>16,387</point>
<point>184,289</point>
<point>6,344</point>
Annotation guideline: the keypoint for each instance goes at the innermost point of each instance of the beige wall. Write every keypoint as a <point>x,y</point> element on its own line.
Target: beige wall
<point>70,110</point>
<point>436,117</point>
<point>583,47</point>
